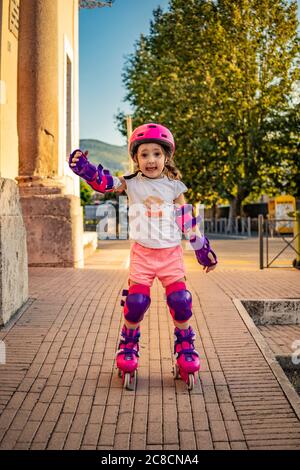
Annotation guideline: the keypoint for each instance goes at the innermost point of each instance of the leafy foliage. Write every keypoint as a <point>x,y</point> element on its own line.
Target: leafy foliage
<point>224,77</point>
<point>86,193</point>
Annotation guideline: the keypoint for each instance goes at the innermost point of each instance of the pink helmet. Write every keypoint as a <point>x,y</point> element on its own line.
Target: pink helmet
<point>148,133</point>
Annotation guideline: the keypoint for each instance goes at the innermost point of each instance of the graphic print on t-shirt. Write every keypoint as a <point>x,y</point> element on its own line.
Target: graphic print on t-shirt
<point>153,205</point>
<point>151,211</point>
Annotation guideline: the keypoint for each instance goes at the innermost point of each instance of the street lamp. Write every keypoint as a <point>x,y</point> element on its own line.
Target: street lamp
<point>129,132</point>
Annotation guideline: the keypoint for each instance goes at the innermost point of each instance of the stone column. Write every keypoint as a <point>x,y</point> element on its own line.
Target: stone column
<point>53,220</point>
<point>38,89</point>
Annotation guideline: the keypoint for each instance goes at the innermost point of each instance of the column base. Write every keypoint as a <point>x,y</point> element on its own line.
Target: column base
<point>54,226</point>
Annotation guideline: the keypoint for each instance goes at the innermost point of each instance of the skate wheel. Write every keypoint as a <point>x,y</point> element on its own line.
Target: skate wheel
<point>191,382</point>
<point>130,380</point>
<point>176,372</point>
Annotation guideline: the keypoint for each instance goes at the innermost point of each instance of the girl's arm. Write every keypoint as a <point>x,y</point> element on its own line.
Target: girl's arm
<point>188,224</point>
<point>185,216</point>
<point>180,200</point>
<point>97,177</point>
<point>123,186</point>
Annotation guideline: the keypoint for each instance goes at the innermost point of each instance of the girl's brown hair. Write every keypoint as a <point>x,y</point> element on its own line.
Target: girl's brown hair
<point>170,170</point>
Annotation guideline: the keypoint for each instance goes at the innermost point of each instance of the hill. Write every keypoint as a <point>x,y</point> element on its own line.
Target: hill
<point>112,157</point>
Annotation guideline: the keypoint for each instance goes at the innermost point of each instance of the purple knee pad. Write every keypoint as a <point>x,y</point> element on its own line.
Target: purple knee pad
<point>179,300</point>
<point>137,302</point>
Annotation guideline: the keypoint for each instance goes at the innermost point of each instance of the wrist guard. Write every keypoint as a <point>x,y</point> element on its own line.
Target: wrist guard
<point>98,178</point>
<point>202,253</point>
<point>200,244</point>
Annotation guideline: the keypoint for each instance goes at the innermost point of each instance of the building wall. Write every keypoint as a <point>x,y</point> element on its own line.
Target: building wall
<point>8,94</point>
<point>13,250</point>
<point>67,47</point>
<point>68,53</point>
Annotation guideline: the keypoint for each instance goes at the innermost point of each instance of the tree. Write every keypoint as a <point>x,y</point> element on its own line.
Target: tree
<point>86,193</point>
<point>221,74</point>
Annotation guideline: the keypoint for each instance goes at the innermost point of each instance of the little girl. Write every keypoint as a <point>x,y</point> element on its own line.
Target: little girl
<point>158,215</point>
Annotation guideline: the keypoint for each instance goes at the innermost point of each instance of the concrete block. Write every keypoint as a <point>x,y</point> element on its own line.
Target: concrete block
<point>274,311</point>
<point>54,225</point>
<point>13,252</point>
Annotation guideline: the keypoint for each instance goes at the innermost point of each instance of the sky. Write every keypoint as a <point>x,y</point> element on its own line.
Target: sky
<point>106,36</point>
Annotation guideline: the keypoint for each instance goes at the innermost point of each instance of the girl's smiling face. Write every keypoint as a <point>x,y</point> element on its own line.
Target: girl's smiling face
<point>151,159</point>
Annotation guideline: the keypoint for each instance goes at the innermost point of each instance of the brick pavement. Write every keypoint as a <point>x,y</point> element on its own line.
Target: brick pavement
<point>59,388</point>
<point>281,338</point>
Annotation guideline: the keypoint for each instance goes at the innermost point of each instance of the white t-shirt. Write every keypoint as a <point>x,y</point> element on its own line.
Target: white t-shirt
<point>151,211</point>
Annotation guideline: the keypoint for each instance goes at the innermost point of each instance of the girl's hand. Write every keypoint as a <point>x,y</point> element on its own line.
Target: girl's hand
<point>97,177</point>
<point>121,188</point>
<point>76,157</point>
<point>210,268</point>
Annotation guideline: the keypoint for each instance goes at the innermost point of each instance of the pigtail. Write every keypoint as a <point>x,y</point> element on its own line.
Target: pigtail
<point>171,171</point>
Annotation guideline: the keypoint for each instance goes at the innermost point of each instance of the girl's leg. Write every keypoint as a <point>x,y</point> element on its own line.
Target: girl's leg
<point>136,303</point>
<point>179,300</point>
<point>130,325</point>
<point>138,293</point>
<point>185,324</point>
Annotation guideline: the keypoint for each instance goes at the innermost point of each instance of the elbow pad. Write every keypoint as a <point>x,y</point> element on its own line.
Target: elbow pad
<point>185,219</point>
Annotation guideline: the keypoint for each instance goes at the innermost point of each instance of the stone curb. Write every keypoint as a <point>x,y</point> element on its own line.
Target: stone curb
<point>281,378</point>
<point>16,316</point>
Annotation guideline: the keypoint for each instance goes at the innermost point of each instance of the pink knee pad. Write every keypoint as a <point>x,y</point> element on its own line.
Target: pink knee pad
<point>179,300</point>
<point>137,302</point>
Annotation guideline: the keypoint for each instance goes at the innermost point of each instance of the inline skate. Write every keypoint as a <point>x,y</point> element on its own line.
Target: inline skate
<point>188,363</point>
<point>127,357</point>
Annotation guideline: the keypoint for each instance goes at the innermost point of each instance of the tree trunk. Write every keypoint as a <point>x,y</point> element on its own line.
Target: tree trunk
<point>236,203</point>
<point>213,210</point>
<point>235,209</point>
<point>232,208</point>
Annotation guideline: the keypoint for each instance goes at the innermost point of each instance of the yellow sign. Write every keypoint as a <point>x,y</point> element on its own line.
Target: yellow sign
<point>279,207</point>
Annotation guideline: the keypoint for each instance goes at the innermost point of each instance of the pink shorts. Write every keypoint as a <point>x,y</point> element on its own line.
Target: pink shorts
<point>147,263</point>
